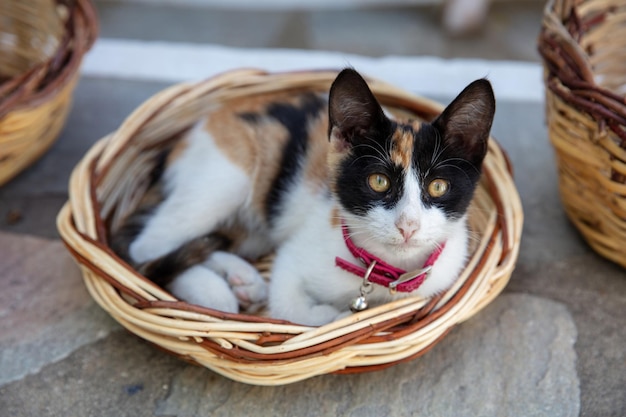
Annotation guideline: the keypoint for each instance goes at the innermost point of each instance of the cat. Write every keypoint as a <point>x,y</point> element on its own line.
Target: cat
<point>323,181</point>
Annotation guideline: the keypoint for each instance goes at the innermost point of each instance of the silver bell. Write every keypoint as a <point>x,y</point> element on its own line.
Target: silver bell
<point>358,304</point>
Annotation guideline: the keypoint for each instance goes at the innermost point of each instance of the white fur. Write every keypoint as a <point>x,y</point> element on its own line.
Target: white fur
<point>297,206</point>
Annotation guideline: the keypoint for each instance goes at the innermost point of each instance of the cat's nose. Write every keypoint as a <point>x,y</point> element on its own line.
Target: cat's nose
<point>407,230</point>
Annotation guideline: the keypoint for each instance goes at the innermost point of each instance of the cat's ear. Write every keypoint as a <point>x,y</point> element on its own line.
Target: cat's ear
<point>353,110</point>
<point>466,122</point>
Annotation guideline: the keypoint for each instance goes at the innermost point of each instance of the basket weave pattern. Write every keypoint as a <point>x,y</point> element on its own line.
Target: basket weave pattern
<point>42,43</point>
<point>110,179</point>
<point>583,45</point>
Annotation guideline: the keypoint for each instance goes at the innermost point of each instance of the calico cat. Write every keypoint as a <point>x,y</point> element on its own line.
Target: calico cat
<point>341,192</point>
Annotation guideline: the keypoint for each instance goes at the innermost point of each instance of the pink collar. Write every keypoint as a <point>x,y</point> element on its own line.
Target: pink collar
<point>382,273</point>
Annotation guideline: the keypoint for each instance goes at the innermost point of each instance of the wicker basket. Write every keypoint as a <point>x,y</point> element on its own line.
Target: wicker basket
<point>42,43</point>
<point>583,45</point>
<point>113,175</point>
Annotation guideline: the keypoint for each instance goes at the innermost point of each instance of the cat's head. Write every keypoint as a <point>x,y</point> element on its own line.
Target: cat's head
<point>404,185</point>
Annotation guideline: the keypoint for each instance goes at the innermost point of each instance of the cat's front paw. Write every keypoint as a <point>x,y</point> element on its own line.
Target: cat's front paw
<point>302,312</point>
<point>248,285</point>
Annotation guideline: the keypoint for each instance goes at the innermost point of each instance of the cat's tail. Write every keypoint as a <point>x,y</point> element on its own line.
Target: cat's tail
<point>163,270</point>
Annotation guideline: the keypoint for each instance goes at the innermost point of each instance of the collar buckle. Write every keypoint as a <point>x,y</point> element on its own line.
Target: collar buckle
<point>407,276</point>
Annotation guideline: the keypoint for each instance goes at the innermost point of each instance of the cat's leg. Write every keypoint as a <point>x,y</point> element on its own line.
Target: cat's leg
<point>306,287</point>
<point>204,188</point>
<point>202,286</point>
<point>289,295</point>
<point>246,282</point>
<point>181,217</point>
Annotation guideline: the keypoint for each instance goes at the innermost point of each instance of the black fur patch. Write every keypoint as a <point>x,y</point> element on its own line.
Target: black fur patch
<point>368,157</point>
<point>296,120</point>
<point>437,158</point>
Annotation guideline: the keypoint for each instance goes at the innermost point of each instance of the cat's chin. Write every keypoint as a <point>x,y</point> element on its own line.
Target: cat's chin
<point>408,248</point>
<point>402,249</point>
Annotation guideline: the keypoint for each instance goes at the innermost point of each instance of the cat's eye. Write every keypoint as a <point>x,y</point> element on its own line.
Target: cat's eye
<point>379,183</point>
<point>438,188</point>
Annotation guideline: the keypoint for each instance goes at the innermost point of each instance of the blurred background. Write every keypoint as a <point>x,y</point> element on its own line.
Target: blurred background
<point>490,29</point>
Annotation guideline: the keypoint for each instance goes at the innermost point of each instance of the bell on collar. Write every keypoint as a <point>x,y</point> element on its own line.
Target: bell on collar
<point>358,304</point>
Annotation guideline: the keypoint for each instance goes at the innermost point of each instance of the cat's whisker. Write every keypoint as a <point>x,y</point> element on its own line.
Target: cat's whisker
<point>473,236</point>
<point>368,240</point>
<point>382,161</point>
<point>382,156</point>
<point>437,151</point>
<point>476,209</point>
<point>441,150</point>
<point>353,233</point>
<point>452,159</point>
<point>363,232</point>
<point>455,167</point>
<point>465,162</point>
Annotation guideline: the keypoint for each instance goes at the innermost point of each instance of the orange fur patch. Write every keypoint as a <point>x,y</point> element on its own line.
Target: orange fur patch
<point>337,152</point>
<point>402,147</point>
<point>316,168</point>
<point>257,146</point>
<point>335,219</point>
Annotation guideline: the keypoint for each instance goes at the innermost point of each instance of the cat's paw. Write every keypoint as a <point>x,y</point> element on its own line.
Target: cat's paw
<point>247,284</point>
<point>201,286</point>
<point>303,313</point>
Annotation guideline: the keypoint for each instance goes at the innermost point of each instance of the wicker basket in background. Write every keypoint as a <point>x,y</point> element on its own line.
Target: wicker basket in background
<point>583,45</point>
<point>108,182</point>
<point>42,43</point>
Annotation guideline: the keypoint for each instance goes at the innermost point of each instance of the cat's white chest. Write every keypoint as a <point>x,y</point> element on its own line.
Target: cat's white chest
<point>304,274</point>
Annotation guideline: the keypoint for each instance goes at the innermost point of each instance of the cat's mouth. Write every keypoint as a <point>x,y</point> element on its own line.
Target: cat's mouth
<point>401,245</point>
<point>415,244</point>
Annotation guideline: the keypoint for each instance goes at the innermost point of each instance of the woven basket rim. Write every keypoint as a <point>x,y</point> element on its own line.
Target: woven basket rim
<point>255,349</point>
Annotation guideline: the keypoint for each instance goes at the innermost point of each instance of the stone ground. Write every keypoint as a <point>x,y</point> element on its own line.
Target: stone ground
<point>550,345</point>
